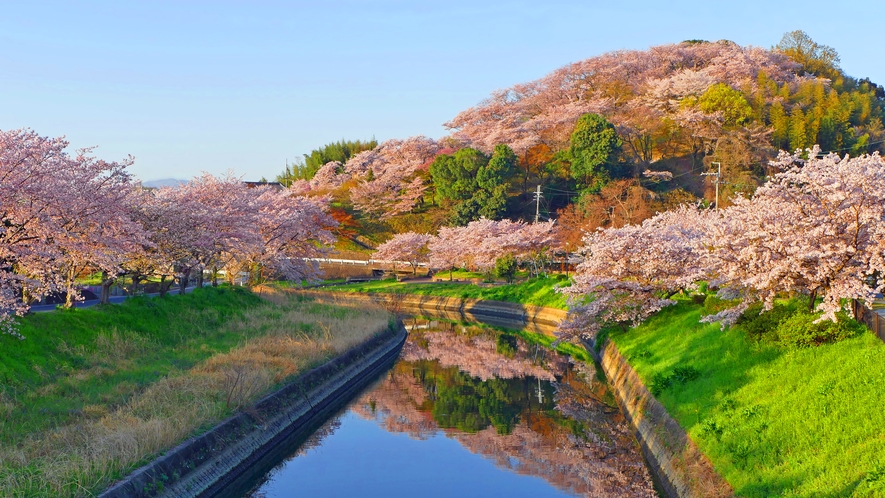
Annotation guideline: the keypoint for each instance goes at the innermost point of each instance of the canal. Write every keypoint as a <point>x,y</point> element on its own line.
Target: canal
<point>467,410</point>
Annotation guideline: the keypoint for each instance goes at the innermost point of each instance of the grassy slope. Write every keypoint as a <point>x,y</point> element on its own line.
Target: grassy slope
<point>773,422</point>
<point>538,291</point>
<point>150,371</point>
<point>166,334</point>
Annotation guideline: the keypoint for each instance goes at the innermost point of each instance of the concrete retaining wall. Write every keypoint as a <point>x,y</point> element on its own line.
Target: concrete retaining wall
<point>679,467</point>
<point>203,465</point>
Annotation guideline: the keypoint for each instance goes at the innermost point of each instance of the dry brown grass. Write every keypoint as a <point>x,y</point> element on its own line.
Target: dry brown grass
<point>84,457</point>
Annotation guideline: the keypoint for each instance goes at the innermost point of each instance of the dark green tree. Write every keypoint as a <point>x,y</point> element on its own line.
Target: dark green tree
<point>505,267</point>
<point>595,145</point>
<point>474,184</point>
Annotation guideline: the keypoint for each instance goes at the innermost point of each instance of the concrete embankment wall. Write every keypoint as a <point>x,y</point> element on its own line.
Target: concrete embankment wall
<point>204,465</point>
<point>679,467</point>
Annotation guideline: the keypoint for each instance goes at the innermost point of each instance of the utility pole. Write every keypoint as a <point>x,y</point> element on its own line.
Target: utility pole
<point>717,181</point>
<point>538,203</point>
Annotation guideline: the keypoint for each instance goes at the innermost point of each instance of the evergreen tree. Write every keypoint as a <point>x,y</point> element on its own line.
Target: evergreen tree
<point>595,145</point>
<point>475,184</point>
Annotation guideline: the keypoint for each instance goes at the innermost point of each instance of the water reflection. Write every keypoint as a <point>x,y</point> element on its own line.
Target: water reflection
<point>529,412</point>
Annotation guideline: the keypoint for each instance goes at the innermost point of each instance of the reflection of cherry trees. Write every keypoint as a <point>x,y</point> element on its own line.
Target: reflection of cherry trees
<point>395,403</point>
<point>583,446</point>
<point>475,355</point>
<point>564,460</point>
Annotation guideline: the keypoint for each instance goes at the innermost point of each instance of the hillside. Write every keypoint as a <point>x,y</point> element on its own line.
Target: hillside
<point>676,109</point>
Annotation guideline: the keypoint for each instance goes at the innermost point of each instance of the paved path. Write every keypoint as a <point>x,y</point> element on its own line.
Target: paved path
<point>42,308</point>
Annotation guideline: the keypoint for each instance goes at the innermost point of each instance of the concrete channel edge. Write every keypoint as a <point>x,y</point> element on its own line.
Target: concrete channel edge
<point>205,464</point>
<point>679,467</point>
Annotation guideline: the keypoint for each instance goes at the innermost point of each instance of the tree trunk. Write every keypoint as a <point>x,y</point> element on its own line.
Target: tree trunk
<point>183,279</point>
<point>69,292</point>
<point>811,299</point>
<point>106,284</point>
<point>200,277</point>
<point>136,279</point>
<point>215,276</point>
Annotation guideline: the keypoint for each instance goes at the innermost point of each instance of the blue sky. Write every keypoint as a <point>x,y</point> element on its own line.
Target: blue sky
<point>187,87</point>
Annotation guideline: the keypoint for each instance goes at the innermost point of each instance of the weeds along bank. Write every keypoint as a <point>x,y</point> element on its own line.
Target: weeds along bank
<point>91,394</point>
<point>777,409</point>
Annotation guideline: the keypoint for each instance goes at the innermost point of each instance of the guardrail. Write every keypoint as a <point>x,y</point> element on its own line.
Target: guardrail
<point>873,319</point>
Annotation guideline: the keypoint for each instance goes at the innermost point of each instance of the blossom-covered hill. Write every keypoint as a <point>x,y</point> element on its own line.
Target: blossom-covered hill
<point>676,109</point>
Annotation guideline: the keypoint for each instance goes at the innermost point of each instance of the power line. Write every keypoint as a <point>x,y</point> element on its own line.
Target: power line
<point>849,148</point>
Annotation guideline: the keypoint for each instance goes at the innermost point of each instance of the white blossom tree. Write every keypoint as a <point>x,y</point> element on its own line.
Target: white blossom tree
<point>409,246</point>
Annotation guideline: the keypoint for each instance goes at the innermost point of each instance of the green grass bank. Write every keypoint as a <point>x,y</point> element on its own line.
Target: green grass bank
<point>774,421</point>
<point>93,393</point>
<point>540,291</point>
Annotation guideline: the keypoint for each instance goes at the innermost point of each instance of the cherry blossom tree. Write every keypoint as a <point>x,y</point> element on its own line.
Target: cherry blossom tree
<point>59,215</point>
<point>629,273</point>
<point>174,225</point>
<point>480,243</point>
<point>446,249</point>
<point>329,176</point>
<point>545,110</point>
<point>816,228</point>
<point>409,246</point>
<point>391,180</point>
<point>231,215</point>
<point>29,165</point>
<point>96,232</point>
<point>291,229</point>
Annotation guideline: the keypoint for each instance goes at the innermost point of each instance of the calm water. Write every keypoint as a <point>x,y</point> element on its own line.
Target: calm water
<point>468,411</point>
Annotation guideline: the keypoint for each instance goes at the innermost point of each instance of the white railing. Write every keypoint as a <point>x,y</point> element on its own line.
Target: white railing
<point>361,262</point>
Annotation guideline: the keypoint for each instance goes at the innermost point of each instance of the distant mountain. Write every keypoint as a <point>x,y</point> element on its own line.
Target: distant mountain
<point>165,182</point>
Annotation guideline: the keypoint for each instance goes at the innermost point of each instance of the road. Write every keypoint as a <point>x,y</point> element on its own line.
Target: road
<point>42,308</point>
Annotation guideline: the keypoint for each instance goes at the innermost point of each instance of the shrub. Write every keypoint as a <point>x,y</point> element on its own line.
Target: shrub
<point>800,331</point>
<point>505,267</point>
<point>758,322</point>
